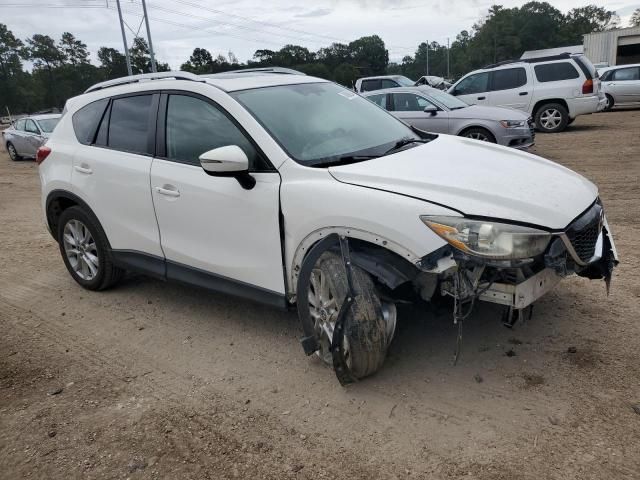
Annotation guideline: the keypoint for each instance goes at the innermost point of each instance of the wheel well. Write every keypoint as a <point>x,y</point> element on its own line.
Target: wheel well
<point>480,127</point>
<point>55,207</point>
<point>540,103</point>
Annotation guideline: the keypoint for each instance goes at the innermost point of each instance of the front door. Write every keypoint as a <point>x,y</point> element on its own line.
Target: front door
<point>213,231</point>
<point>409,107</point>
<point>474,89</point>
<point>32,138</point>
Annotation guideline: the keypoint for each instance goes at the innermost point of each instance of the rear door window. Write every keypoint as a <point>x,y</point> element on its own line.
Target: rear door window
<point>554,72</point>
<point>85,121</point>
<point>380,100</point>
<point>508,78</point>
<point>626,74</point>
<point>409,102</point>
<point>129,124</point>
<point>369,85</point>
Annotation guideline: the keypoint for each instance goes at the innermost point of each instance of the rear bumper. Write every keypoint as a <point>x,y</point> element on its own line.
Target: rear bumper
<point>584,105</point>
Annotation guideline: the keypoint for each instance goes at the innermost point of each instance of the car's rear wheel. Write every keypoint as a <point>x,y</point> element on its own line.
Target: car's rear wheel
<point>478,133</point>
<point>610,103</point>
<point>368,328</point>
<point>85,250</point>
<point>13,153</point>
<point>552,118</point>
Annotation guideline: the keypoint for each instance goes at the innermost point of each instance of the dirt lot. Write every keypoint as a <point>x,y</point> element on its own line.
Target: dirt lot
<point>156,380</point>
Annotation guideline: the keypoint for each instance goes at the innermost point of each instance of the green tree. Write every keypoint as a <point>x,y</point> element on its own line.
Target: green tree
<point>46,57</point>
<point>112,63</point>
<point>141,58</point>
<point>10,69</point>
<point>635,19</point>
<point>74,51</point>
<point>199,62</point>
<point>369,55</point>
<point>591,18</point>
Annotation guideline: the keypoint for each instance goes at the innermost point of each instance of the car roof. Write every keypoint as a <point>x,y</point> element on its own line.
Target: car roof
<point>616,67</point>
<point>417,89</point>
<point>380,77</point>
<point>44,116</point>
<point>232,82</point>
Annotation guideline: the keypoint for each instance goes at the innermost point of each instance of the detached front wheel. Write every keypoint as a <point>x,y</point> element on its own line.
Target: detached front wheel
<point>369,326</point>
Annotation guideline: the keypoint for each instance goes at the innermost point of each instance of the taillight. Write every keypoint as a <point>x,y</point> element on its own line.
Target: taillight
<point>587,86</point>
<point>42,153</point>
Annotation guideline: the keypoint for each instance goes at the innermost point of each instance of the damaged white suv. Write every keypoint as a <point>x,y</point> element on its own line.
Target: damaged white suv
<point>288,189</point>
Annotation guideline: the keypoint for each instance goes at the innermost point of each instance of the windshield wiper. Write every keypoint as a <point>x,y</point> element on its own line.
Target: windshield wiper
<point>344,160</point>
<point>403,142</point>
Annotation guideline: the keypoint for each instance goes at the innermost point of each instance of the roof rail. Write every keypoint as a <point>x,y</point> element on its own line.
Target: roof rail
<point>281,70</point>
<point>143,78</point>
<point>548,58</point>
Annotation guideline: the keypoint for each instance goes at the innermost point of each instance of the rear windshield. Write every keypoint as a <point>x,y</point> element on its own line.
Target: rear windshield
<point>48,124</point>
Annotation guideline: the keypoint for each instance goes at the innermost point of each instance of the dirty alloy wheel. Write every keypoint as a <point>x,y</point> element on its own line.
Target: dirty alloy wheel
<point>552,118</point>
<point>13,153</point>
<point>610,103</point>
<point>479,134</point>
<point>369,327</point>
<point>85,250</point>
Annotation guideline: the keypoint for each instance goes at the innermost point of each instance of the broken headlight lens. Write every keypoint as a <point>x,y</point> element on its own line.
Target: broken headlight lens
<point>498,241</point>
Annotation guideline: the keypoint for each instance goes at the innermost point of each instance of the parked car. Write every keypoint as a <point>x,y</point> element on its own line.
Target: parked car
<point>293,191</point>
<point>436,111</point>
<point>554,90</point>
<point>26,135</point>
<point>368,84</point>
<point>433,81</point>
<point>621,85</point>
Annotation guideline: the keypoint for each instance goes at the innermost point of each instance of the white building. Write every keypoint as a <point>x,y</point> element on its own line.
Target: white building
<point>613,47</point>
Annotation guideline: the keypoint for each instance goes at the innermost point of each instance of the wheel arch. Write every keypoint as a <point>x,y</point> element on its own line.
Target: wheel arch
<point>466,128</point>
<point>540,103</point>
<point>60,200</point>
<point>388,261</point>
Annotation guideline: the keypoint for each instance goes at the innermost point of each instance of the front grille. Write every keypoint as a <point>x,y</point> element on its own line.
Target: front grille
<point>583,233</point>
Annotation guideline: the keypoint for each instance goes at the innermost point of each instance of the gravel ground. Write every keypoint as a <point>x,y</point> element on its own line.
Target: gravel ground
<point>156,380</point>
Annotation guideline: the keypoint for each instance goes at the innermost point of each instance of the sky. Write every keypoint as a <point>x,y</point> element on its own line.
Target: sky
<point>243,26</point>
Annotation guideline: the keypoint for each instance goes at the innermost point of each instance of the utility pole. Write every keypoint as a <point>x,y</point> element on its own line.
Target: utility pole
<point>448,48</point>
<point>124,40</point>
<point>146,21</point>
<point>427,57</point>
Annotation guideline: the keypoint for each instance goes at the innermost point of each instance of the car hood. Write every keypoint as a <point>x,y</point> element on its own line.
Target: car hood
<point>488,113</point>
<point>478,179</point>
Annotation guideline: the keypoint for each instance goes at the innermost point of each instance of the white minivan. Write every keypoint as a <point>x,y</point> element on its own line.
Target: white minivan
<point>553,90</point>
<point>295,192</point>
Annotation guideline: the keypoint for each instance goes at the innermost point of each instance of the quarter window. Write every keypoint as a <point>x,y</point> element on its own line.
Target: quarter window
<point>30,126</point>
<point>195,126</point>
<point>553,72</point>
<point>409,102</point>
<point>129,124</point>
<point>86,120</point>
<point>508,78</point>
<point>477,83</point>
<point>626,74</point>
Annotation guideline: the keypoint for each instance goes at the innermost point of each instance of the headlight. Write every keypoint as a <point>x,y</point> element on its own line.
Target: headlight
<point>498,241</point>
<point>513,123</point>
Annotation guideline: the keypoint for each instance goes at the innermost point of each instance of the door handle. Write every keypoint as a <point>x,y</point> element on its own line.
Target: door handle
<point>83,169</point>
<point>522,94</point>
<point>482,98</point>
<point>168,190</point>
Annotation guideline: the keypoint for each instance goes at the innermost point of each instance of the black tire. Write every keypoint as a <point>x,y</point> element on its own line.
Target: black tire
<point>571,120</point>
<point>13,153</point>
<point>610,103</point>
<point>478,133</point>
<point>555,110</point>
<point>365,329</point>
<point>107,274</point>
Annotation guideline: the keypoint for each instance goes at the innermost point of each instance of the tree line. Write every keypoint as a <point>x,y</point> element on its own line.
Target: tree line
<point>62,69</point>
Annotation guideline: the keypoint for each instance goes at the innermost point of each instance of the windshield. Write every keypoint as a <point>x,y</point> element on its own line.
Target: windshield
<point>447,100</point>
<point>404,81</point>
<point>48,124</point>
<point>318,123</point>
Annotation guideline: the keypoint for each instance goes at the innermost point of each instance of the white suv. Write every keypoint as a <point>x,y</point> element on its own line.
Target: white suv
<point>553,90</point>
<point>271,187</point>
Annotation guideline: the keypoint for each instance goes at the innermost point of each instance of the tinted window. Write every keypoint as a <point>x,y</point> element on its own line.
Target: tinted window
<point>380,100</point>
<point>129,124</point>
<point>30,126</point>
<point>409,102</point>
<point>508,78</point>
<point>606,76</point>
<point>553,72</point>
<point>368,85</point>
<point>625,74</point>
<point>477,83</point>
<point>386,83</point>
<point>86,120</point>
<point>195,126</point>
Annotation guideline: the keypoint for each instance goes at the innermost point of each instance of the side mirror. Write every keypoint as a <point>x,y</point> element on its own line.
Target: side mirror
<point>431,109</point>
<point>229,161</point>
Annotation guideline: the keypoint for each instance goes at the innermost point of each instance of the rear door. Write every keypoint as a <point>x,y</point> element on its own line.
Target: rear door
<point>111,169</point>
<point>624,84</point>
<point>32,138</point>
<point>409,107</point>
<point>510,88</point>
<point>17,136</point>
<point>474,89</point>
<point>215,232</point>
